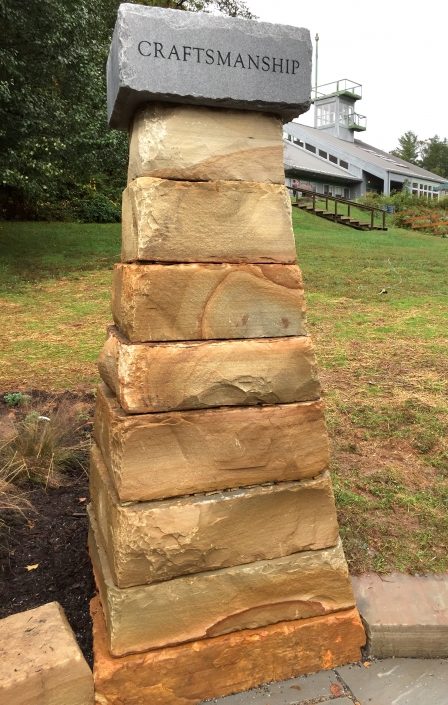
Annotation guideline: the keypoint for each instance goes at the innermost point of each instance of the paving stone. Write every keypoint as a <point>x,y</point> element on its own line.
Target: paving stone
<point>40,661</point>
<point>154,377</point>
<point>217,602</point>
<point>153,456</point>
<point>206,221</point>
<point>295,691</point>
<point>189,673</point>
<point>199,58</point>
<point>398,682</point>
<point>162,302</point>
<point>195,143</point>
<point>405,615</point>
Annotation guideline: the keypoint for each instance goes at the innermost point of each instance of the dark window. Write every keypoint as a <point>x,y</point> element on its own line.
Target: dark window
<point>333,159</point>
<point>310,148</point>
<point>297,141</point>
<point>322,154</point>
<point>343,164</point>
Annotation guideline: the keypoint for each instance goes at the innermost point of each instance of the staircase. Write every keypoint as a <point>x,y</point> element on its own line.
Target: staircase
<point>339,210</point>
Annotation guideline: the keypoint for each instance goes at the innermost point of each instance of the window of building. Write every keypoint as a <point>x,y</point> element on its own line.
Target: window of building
<point>414,185</point>
<point>343,164</point>
<point>310,148</point>
<point>297,141</point>
<point>322,154</point>
<point>332,158</point>
<point>325,114</point>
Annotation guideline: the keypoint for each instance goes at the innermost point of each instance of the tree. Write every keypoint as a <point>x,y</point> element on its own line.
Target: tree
<point>54,144</point>
<point>409,148</point>
<point>435,155</point>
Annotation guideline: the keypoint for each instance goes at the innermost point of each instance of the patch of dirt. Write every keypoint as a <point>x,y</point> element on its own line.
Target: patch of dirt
<point>44,558</point>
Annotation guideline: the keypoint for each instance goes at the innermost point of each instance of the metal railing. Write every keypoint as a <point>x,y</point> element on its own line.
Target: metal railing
<point>344,85</point>
<point>353,120</point>
<point>337,200</point>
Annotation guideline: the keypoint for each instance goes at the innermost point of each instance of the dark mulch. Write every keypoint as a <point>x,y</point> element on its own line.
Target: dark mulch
<point>54,537</point>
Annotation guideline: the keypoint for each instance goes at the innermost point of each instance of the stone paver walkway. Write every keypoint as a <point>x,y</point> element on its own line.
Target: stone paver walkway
<point>389,682</point>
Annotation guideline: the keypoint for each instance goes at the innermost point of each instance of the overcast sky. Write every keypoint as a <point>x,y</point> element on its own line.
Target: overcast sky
<point>397,50</point>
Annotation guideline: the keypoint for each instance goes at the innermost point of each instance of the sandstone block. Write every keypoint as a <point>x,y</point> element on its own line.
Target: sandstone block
<point>153,456</point>
<point>149,542</point>
<point>160,302</point>
<point>40,661</point>
<point>149,377</point>
<point>195,143</point>
<point>206,221</point>
<point>217,602</point>
<point>210,668</point>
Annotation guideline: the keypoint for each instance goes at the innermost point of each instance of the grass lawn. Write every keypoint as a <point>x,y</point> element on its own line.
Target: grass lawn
<point>383,359</point>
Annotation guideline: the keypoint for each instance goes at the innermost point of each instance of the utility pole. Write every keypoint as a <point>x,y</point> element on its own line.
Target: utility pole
<point>316,62</point>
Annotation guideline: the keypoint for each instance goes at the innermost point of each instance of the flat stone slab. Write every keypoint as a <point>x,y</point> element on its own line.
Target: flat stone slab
<point>195,143</point>
<point>189,673</point>
<point>210,604</point>
<point>149,542</point>
<point>154,377</point>
<point>404,615</point>
<point>163,302</point>
<point>40,661</point>
<point>398,682</point>
<point>316,688</point>
<point>203,59</point>
<point>152,456</point>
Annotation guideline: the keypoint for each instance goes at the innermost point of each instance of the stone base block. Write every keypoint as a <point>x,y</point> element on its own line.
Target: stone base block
<point>206,221</point>
<point>153,456</point>
<point>406,616</point>
<point>218,602</point>
<point>210,668</point>
<point>190,143</point>
<point>157,302</point>
<point>148,542</point>
<point>40,661</point>
<point>152,377</point>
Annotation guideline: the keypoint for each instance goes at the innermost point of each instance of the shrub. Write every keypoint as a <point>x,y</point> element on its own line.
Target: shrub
<point>95,207</point>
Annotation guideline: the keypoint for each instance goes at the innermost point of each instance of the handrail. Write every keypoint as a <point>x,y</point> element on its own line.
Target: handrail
<point>336,199</point>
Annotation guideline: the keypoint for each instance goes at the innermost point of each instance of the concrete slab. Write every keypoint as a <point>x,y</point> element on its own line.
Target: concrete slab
<point>398,682</point>
<point>405,616</point>
<point>296,691</point>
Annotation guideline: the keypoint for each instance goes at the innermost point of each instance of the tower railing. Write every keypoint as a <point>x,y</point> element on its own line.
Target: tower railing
<point>344,85</point>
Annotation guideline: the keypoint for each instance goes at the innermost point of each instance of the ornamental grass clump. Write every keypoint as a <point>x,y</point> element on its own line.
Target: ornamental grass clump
<point>42,448</point>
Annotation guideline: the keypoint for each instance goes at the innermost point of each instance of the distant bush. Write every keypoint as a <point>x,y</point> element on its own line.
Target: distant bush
<point>430,220</point>
<point>403,201</point>
<point>97,208</point>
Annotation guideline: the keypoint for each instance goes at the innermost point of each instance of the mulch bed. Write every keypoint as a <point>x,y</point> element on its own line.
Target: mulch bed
<point>53,538</point>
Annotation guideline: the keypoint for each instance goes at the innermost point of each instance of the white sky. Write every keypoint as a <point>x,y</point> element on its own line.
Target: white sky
<point>397,50</point>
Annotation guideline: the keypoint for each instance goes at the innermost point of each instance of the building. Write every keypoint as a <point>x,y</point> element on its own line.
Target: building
<point>328,159</point>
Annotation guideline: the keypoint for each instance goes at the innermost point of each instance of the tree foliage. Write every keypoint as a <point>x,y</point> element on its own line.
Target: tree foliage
<point>430,154</point>
<point>56,152</point>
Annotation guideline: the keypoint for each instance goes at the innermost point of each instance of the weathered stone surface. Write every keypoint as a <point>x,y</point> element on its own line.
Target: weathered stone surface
<point>206,221</point>
<point>208,668</point>
<point>153,456</point>
<point>149,377</point>
<point>195,143</point>
<point>149,542</point>
<point>160,302</point>
<point>199,58</point>
<point>405,615</point>
<point>217,602</point>
<point>40,661</point>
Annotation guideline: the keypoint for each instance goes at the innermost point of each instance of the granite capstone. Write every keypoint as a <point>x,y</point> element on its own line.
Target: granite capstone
<point>202,59</point>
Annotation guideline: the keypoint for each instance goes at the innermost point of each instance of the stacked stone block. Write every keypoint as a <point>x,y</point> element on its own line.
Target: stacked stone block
<point>214,536</point>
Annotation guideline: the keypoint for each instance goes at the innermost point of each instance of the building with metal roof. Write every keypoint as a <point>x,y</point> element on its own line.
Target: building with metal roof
<point>328,159</point>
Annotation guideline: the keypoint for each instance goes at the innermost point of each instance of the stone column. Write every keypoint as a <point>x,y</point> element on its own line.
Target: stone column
<point>214,536</point>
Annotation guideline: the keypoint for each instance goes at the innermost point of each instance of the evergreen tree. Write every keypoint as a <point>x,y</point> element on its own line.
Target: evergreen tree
<point>409,148</point>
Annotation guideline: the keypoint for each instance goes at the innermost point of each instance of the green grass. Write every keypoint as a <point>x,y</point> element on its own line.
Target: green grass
<point>382,358</point>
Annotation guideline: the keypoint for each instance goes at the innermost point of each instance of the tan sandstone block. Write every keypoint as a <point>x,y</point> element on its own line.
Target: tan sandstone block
<point>149,377</point>
<point>217,602</point>
<point>149,542</point>
<point>40,661</point>
<point>195,143</point>
<point>211,668</point>
<point>153,456</point>
<point>206,221</point>
<point>160,302</point>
